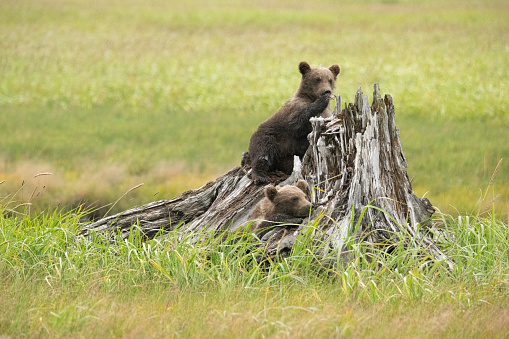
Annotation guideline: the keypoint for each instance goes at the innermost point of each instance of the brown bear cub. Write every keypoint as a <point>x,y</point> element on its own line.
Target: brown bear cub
<point>287,204</point>
<point>276,141</point>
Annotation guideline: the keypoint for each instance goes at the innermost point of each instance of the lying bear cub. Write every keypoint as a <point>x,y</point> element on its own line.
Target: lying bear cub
<point>276,141</point>
<point>287,204</point>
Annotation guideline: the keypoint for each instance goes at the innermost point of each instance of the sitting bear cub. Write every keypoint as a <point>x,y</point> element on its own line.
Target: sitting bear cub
<point>276,141</point>
<point>287,204</point>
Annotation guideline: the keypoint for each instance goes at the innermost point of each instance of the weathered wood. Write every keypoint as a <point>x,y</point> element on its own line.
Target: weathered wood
<point>220,202</point>
<point>355,164</point>
<point>356,160</point>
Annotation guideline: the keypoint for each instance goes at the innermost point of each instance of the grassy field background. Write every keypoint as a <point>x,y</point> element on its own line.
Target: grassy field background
<point>109,95</point>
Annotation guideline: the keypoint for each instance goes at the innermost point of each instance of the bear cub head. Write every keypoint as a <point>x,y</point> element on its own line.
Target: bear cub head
<point>317,81</point>
<point>290,200</point>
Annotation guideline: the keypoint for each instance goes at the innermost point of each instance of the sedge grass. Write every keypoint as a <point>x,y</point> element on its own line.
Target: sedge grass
<point>55,284</point>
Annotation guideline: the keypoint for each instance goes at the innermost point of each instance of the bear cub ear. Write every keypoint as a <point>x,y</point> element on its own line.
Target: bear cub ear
<point>270,192</point>
<point>303,185</point>
<point>304,67</point>
<point>335,70</point>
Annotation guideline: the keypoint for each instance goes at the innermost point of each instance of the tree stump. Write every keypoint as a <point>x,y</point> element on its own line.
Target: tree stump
<point>356,167</point>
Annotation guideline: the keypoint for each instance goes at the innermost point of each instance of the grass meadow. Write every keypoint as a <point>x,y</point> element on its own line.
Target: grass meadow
<point>99,97</point>
<point>55,285</point>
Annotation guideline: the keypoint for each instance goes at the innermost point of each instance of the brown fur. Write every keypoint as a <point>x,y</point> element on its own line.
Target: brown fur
<point>281,204</point>
<point>276,141</point>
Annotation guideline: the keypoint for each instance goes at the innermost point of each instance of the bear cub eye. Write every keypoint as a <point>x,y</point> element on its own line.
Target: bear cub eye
<point>318,79</point>
<point>295,199</point>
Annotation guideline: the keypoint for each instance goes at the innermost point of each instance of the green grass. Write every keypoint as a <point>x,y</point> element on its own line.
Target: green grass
<point>106,96</point>
<point>57,285</point>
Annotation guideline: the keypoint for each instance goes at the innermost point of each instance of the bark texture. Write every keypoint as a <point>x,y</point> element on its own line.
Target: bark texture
<point>356,167</point>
